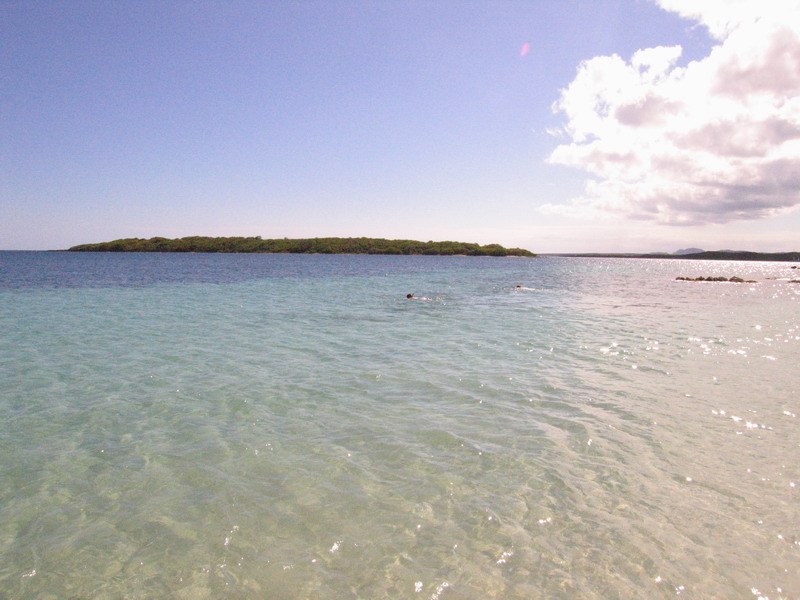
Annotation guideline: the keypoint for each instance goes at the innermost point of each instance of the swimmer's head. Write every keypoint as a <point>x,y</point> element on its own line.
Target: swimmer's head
<point>409,296</point>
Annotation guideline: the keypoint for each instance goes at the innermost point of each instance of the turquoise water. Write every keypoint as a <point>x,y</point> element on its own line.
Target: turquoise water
<point>241,426</point>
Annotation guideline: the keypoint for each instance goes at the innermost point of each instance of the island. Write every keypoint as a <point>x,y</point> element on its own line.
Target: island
<point>331,245</point>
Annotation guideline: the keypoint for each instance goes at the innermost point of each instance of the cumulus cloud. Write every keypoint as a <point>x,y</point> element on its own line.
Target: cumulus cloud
<point>714,141</point>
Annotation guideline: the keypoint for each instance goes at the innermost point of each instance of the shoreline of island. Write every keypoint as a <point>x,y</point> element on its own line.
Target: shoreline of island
<point>705,255</point>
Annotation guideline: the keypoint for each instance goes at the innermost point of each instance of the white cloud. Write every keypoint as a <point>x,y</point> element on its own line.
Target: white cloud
<point>714,141</point>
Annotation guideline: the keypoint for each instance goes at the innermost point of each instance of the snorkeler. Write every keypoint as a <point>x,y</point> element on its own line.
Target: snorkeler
<point>423,298</point>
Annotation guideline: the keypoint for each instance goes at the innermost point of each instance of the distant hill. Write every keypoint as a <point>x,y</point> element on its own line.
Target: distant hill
<point>300,246</point>
<point>687,251</point>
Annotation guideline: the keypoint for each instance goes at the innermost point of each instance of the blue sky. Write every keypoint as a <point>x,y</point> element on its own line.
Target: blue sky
<point>421,120</point>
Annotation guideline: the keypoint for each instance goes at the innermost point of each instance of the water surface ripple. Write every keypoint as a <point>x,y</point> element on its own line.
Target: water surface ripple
<point>240,426</point>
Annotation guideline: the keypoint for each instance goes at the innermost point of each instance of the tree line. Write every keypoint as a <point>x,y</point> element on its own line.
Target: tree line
<point>360,245</point>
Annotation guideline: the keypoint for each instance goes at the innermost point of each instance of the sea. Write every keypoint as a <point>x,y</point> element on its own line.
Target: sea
<point>199,426</point>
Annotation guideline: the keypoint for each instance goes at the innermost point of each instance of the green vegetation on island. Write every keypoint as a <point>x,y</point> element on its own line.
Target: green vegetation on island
<point>300,246</point>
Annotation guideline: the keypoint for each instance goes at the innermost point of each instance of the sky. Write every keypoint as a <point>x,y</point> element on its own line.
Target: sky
<point>552,125</point>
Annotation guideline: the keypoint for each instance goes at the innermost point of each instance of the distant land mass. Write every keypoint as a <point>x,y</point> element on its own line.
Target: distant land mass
<point>702,255</point>
<point>688,251</point>
<point>743,255</point>
<point>360,245</point>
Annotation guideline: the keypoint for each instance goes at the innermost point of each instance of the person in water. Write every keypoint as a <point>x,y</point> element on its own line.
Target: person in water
<point>422,298</point>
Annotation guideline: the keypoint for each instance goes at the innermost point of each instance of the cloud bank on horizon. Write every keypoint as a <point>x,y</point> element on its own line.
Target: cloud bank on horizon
<point>714,141</point>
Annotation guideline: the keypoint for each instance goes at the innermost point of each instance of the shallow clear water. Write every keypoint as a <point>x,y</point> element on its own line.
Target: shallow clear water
<point>240,426</point>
